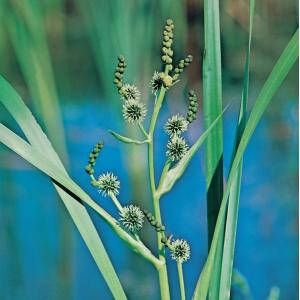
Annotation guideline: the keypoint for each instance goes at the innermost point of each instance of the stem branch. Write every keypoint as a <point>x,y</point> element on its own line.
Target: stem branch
<point>181,280</point>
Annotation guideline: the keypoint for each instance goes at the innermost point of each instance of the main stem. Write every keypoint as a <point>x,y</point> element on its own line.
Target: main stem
<point>162,270</point>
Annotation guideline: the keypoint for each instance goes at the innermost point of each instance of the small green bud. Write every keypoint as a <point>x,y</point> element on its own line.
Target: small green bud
<point>169,67</point>
<point>121,58</point>
<point>169,29</point>
<point>169,43</point>
<point>167,80</point>
<point>88,168</point>
<point>118,75</point>
<point>169,22</point>
<point>169,60</point>
<point>153,223</point>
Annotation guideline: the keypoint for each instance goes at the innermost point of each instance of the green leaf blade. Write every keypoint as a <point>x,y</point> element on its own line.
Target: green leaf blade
<point>275,79</point>
<point>212,107</point>
<point>233,201</point>
<point>16,107</point>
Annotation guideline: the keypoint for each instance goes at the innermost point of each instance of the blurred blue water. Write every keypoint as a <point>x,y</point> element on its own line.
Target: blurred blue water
<point>266,250</point>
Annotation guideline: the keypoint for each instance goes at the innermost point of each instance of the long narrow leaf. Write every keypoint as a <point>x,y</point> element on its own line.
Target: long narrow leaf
<point>233,201</point>
<point>212,107</point>
<point>13,103</point>
<point>275,79</point>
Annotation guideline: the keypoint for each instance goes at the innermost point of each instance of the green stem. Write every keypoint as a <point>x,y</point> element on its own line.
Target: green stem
<point>143,131</point>
<point>181,280</point>
<point>116,202</point>
<point>162,271</point>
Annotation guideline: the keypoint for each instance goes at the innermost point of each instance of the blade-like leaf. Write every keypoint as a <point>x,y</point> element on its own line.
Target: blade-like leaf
<point>233,201</point>
<point>176,172</point>
<point>212,107</point>
<point>126,139</point>
<point>13,103</point>
<point>275,79</point>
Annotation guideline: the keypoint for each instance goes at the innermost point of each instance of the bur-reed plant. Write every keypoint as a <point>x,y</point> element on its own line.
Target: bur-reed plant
<point>127,220</point>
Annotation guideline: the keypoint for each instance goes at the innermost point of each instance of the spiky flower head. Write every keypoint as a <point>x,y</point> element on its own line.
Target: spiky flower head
<point>176,125</point>
<point>108,184</point>
<point>156,82</point>
<point>180,250</point>
<point>134,111</point>
<point>176,148</point>
<point>130,92</point>
<point>132,218</point>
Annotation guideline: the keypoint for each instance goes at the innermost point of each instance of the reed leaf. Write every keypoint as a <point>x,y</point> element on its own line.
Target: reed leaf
<point>39,143</point>
<point>212,107</point>
<point>233,201</point>
<point>272,84</point>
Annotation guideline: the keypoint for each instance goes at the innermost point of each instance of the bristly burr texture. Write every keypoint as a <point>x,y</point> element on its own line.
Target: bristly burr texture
<point>134,111</point>
<point>130,92</point>
<point>108,184</point>
<point>180,250</point>
<point>132,218</point>
<point>176,148</point>
<point>156,82</point>
<point>176,125</point>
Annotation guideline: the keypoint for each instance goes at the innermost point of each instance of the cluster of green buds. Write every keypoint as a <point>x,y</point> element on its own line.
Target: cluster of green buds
<point>134,111</point>
<point>92,158</point>
<point>119,73</point>
<point>168,78</point>
<point>131,216</point>
<point>167,52</point>
<point>153,222</point>
<point>183,63</point>
<point>193,107</point>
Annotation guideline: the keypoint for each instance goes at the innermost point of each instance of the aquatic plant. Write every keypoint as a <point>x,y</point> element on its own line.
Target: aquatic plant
<point>215,277</point>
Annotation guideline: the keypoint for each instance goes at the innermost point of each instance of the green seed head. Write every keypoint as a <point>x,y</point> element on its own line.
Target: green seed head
<point>134,111</point>
<point>108,184</point>
<point>180,250</point>
<point>176,125</point>
<point>130,92</point>
<point>132,218</point>
<point>176,148</point>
